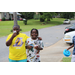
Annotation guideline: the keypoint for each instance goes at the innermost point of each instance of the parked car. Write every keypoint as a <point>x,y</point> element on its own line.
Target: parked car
<point>21,19</point>
<point>68,37</point>
<point>24,19</point>
<point>67,21</point>
<point>70,28</point>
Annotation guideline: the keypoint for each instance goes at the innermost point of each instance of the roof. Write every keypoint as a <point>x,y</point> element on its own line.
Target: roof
<point>16,12</point>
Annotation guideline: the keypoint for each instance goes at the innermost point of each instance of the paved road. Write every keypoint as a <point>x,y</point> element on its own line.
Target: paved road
<point>50,36</point>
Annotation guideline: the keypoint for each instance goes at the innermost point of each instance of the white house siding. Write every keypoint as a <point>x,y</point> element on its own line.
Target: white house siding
<point>2,15</point>
<point>6,15</point>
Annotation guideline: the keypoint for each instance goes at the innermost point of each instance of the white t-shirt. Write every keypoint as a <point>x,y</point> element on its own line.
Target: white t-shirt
<point>33,55</point>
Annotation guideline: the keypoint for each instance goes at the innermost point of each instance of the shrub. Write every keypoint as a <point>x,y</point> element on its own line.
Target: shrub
<point>9,18</point>
<point>25,22</point>
<point>3,19</point>
<point>42,18</point>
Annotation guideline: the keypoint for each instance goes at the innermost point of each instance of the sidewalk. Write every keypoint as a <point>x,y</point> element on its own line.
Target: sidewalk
<point>54,53</point>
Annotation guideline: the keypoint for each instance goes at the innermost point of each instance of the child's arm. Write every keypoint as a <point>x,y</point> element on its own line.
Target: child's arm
<point>28,47</point>
<point>70,47</point>
<point>39,38</point>
<point>38,48</point>
<point>8,43</point>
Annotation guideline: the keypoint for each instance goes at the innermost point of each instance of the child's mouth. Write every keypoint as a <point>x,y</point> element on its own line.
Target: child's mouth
<point>34,36</point>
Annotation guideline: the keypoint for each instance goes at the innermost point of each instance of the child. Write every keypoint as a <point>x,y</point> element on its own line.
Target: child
<point>34,45</point>
<point>73,45</point>
<point>16,43</point>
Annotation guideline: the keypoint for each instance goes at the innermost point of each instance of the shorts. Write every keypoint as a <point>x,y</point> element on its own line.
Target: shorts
<point>73,58</point>
<point>24,60</point>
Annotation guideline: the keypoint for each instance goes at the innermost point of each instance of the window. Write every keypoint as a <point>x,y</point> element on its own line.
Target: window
<point>5,14</point>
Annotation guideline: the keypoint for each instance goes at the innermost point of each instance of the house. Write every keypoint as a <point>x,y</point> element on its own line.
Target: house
<point>8,15</point>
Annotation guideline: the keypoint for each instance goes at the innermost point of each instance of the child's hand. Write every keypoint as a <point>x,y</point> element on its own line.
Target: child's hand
<point>29,47</point>
<point>36,47</point>
<point>39,38</point>
<point>14,34</point>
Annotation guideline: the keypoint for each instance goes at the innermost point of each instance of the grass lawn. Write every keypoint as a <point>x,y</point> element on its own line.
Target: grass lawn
<point>6,26</point>
<point>66,59</point>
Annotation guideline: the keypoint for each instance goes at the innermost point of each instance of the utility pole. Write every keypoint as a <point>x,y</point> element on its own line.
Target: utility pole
<point>15,18</point>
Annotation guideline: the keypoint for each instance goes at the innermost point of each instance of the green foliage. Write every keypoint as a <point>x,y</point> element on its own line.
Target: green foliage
<point>46,15</point>
<point>25,22</point>
<point>3,19</point>
<point>67,15</point>
<point>36,16</point>
<point>42,20</point>
<point>9,18</point>
<point>27,15</point>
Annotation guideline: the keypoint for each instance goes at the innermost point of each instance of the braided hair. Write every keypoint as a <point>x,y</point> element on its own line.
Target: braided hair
<point>36,31</point>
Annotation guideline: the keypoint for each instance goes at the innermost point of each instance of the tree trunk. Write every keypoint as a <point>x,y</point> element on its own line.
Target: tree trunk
<point>15,18</point>
<point>25,22</point>
<point>48,19</point>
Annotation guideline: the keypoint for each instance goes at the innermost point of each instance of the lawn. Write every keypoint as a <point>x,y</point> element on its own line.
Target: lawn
<point>66,59</point>
<point>6,26</point>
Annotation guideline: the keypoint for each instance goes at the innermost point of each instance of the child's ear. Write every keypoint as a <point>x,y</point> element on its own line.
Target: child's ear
<point>20,29</point>
<point>11,30</point>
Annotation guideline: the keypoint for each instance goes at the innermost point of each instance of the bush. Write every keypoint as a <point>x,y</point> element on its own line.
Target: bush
<point>3,19</point>
<point>9,18</point>
<point>25,22</point>
<point>42,20</point>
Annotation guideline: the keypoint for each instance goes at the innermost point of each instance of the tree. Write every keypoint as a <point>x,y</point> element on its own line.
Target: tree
<point>27,15</point>
<point>46,15</point>
<point>15,18</point>
<point>67,15</point>
<point>24,14</point>
<point>42,17</point>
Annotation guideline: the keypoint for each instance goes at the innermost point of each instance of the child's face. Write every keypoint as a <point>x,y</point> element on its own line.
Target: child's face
<point>34,34</point>
<point>16,29</point>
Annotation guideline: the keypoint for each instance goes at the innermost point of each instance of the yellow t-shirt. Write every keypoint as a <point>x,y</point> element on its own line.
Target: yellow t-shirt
<point>17,50</point>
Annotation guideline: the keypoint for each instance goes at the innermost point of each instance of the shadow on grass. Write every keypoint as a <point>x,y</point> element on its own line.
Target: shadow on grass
<point>37,22</point>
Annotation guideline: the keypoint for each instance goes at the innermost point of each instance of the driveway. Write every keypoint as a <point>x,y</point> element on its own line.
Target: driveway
<point>50,36</point>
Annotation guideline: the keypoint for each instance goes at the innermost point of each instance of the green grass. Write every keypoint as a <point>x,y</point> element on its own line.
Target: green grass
<point>6,26</point>
<point>66,59</point>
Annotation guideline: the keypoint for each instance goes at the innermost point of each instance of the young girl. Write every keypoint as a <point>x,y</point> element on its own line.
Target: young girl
<point>34,45</point>
<point>73,45</point>
<point>16,42</point>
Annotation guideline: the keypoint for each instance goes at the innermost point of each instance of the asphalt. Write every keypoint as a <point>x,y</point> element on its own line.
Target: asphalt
<point>50,36</point>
